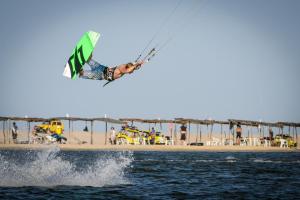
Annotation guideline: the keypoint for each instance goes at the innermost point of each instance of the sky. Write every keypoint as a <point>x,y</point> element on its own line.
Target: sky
<point>226,59</point>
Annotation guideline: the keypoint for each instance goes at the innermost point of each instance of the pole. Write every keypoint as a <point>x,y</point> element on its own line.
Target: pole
<point>28,132</point>
<point>69,132</point>
<point>197,133</point>
<point>200,134</point>
<point>297,139</point>
<point>4,141</point>
<point>211,130</point>
<point>222,133</point>
<point>294,133</point>
<point>208,137</point>
<point>105,132</point>
<point>172,133</point>
<point>7,131</point>
<point>175,133</point>
<point>189,133</point>
<point>229,132</point>
<point>9,127</point>
<point>92,131</point>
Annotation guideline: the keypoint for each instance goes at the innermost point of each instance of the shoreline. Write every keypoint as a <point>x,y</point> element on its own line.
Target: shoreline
<point>175,148</point>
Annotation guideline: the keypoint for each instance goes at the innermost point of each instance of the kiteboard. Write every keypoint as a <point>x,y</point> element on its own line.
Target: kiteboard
<point>80,54</point>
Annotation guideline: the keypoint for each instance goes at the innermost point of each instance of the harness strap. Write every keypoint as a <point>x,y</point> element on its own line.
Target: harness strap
<point>109,73</point>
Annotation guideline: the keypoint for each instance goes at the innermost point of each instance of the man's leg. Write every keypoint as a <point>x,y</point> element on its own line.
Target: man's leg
<point>93,64</point>
<point>87,74</point>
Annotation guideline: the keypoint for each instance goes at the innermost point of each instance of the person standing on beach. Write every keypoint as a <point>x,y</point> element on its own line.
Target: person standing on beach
<point>238,134</point>
<point>183,134</point>
<point>271,135</point>
<point>152,136</point>
<point>113,136</point>
<point>14,131</point>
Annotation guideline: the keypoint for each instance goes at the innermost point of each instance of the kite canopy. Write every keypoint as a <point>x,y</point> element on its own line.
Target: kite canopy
<point>81,53</point>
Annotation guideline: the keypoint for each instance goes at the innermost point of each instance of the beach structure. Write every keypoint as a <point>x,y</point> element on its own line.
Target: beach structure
<point>6,122</point>
<point>92,121</point>
<point>222,138</point>
<point>176,122</point>
<point>226,135</point>
<point>260,126</point>
<point>199,123</point>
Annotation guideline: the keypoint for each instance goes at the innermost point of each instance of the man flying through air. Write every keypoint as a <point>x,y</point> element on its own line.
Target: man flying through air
<point>101,72</point>
<point>82,54</point>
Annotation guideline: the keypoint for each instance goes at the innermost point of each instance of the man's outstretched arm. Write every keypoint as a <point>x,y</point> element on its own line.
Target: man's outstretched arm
<point>134,66</point>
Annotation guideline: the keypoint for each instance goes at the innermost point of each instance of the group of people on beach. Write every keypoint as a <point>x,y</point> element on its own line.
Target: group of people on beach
<point>150,135</point>
<point>239,137</point>
<point>130,133</point>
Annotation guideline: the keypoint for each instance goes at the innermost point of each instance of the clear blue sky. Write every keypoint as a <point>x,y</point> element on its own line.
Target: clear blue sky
<point>230,59</point>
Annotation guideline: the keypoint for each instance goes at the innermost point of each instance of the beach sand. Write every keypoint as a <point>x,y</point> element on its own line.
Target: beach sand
<point>75,140</point>
<point>86,147</point>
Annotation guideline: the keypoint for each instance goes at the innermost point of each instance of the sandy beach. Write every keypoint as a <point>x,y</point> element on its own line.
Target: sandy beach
<point>86,147</point>
<point>75,140</point>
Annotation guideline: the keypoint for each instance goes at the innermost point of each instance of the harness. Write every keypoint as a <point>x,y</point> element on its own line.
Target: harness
<point>109,73</point>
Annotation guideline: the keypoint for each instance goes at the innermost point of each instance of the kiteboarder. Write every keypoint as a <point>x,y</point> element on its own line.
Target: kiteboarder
<point>101,72</point>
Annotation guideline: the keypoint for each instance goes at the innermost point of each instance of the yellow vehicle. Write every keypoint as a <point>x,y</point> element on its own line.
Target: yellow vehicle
<point>132,135</point>
<point>289,139</point>
<point>53,126</point>
<point>124,138</point>
<point>159,139</point>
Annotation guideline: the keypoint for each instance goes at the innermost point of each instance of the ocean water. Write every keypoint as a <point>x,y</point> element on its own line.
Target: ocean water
<point>55,174</point>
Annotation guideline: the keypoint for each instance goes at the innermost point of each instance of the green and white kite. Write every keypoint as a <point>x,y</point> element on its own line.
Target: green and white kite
<point>81,53</point>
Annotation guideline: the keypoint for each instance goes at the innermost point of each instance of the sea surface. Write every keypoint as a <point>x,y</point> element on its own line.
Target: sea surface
<point>56,174</point>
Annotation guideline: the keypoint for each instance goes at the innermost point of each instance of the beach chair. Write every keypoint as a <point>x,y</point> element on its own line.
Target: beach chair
<point>256,142</point>
<point>208,143</point>
<point>283,143</point>
<point>267,143</point>
<point>169,142</point>
<point>215,142</point>
<point>229,142</point>
<point>244,142</point>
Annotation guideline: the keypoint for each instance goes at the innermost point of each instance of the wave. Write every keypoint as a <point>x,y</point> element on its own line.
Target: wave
<point>230,158</point>
<point>47,168</point>
<point>265,161</point>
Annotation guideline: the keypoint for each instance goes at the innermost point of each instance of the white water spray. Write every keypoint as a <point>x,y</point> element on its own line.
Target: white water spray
<point>47,168</point>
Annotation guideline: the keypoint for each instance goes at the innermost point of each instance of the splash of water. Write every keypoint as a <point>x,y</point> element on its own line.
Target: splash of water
<point>47,168</point>
<point>230,158</point>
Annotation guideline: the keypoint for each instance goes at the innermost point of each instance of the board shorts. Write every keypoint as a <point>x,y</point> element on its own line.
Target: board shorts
<point>183,136</point>
<point>96,72</point>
